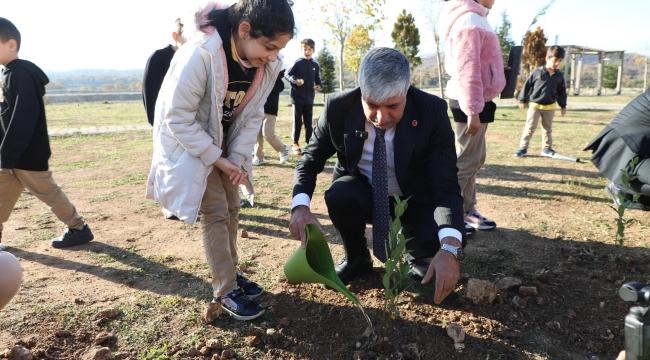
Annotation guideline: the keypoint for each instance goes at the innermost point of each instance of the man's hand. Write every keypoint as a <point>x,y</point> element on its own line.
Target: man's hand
<point>300,82</point>
<point>235,172</point>
<point>473,124</point>
<point>563,111</point>
<point>300,217</point>
<point>318,87</point>
<point>446,269</point>
<point>522,106</point>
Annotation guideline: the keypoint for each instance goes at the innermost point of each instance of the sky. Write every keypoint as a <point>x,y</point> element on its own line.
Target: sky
<point>121,34</point>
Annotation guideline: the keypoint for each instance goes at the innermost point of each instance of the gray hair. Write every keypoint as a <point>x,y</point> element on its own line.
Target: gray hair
<point>383,74</point>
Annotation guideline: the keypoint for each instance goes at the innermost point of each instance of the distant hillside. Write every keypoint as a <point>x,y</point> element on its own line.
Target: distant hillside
<point>94,79</point>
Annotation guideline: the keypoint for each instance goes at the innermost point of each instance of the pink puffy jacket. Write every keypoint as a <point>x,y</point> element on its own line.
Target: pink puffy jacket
<point>472,56</point>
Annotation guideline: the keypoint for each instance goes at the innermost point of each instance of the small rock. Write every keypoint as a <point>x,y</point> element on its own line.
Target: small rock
<point>518,302</point>
<point>216,357</point>
<point>244,234</point>
<point>253,341</point>
<point>456,332</point>
<point>528,291</point>
<point>508,283</point>
<point>282,279</point>
<point>367,332</point>
<point>572,314</point>
<point>109,313</point>
<point>481,292</point>
<point>214,344</point>
<point>62,333</point>
<point>102,337</point>
<point>205,351</point>
<point>5,354</point>
<point>540,301</point>
<point>98,353</point>
<point>459,346</point>
<point>257,332</point>
<point>285,321</point>
<point>193,352</point>
<point>358,345</point>
<point>270,331</point>
<point>78,301</point>
<point>228,354</point>
<point>39,353</point>
<point>200,344</point>
<point>19,353</point>
<point>211,312</point>
<point>602,304</point>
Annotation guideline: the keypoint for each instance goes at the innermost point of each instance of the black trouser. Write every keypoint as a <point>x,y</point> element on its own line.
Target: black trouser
<point>302,113</point>
<point>349,204</point>
<point>642,183</point>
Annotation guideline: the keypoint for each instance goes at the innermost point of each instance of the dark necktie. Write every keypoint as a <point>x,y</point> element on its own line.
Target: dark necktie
<point>381,206</point>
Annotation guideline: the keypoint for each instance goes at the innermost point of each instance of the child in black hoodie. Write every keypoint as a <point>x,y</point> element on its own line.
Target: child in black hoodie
<point>25,146</point>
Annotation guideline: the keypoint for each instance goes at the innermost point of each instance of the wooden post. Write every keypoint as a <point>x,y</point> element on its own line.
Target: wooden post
<point>576,92</point>
<point>599,87</point>
<point>619,79</point>
<point>572,85</point>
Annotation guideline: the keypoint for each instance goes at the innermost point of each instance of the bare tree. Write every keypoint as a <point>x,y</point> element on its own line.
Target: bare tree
<point>342,16</point>
<point>431,10</point>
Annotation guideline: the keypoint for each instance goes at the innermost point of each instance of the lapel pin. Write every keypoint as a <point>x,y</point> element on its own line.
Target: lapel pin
<point>414,123</point>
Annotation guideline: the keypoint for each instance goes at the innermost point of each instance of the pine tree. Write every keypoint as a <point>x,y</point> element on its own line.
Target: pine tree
<point>327,63</point>
<point>503,33</point>
<point>407,38</point>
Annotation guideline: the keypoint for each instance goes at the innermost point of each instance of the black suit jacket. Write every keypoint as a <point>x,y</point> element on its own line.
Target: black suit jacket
<point>627,136</point>
<point>425,154</point>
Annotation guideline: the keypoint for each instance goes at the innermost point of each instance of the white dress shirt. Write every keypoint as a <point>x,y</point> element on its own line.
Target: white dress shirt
<point>365,167</point>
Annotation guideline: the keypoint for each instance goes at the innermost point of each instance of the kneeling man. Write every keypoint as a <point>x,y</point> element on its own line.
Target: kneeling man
<point>389,138</point>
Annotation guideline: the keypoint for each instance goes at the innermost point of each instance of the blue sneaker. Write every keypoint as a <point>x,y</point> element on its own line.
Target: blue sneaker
<point>251,289</point>
<point>548,152</point>
<point>72,237</point>
<point>521,152</point>
<point>240,306</point>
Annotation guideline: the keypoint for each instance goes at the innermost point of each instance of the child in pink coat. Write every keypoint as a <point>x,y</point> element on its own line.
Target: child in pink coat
<point>473,60</point>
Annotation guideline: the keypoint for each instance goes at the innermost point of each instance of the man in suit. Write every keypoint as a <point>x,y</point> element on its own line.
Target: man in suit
<point>390,138</point>
<point>626,137</point>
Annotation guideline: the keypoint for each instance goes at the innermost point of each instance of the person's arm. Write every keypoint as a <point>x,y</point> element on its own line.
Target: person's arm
<point>561,96</point>
<point>151,82</point>
<point>525,90</point>
<point>180,116</point>
<point>467,52</point>
<point>311,163</point>
<point>291,71</point>
<point>317,79</point>
<point>24,111</point>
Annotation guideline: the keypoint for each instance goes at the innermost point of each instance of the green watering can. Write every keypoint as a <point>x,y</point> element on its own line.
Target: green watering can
<point>314,264</point>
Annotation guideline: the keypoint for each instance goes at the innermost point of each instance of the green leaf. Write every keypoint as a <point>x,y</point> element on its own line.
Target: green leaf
<point>621,210</point>
<point>397,252</point>
<point>625,177</point>
<point>390,266</point>
<point>386,281</point>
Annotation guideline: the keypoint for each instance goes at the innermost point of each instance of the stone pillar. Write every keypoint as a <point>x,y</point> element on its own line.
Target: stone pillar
<point>567,68</point>
<point>599,87</point>
<point>572,85</point>
<point>619,79</point>
<point>576,91</point>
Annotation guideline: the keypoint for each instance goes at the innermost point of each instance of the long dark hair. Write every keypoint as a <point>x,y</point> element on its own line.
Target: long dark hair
<point>268,18</point>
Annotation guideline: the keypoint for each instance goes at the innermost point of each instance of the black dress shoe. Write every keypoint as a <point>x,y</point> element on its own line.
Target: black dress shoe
<point>417,267</point>
<point>348,270</point>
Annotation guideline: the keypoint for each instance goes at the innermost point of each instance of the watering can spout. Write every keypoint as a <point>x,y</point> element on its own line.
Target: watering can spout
<point>314,264</point>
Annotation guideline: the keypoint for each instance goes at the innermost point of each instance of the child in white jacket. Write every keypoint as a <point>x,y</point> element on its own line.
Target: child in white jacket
<point>208,114</point>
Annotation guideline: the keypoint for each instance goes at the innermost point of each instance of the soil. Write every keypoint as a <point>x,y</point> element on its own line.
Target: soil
<point>139,260</point>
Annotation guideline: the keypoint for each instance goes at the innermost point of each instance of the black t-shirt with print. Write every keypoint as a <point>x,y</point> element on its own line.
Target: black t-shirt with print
<point>238,80</point>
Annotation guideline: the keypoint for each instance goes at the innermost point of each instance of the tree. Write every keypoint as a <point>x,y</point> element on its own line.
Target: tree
<point>534,55</point>
<point>338,16</point>
<point>431,9</point>
<point>406,37</point>
<point>541,13</point>
<point>610,75</point>
<point>327,63</point>
<point>645,61</point>
<point>359,42</point>
<point>503,33</point>
<point>119,85</point>
<point>136,85</point>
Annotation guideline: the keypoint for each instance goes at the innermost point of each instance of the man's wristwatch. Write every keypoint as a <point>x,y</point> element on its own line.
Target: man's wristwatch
<point>458,252</point>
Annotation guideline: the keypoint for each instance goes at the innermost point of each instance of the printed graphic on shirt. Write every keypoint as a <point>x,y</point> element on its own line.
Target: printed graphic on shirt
<point>239,82</point>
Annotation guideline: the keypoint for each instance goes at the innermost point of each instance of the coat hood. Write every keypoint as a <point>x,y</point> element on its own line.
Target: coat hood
<point>196,23</point>
<point>455,9</point>
<point>37,74</point>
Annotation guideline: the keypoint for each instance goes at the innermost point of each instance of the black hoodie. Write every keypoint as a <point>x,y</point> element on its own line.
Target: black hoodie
<point>25,143</point>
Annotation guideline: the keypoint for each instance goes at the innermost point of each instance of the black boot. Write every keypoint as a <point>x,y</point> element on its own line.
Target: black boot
<point>357,265</point>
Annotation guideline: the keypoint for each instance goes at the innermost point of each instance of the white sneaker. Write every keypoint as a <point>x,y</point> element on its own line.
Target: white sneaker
<point>257,161</point>
<point>284,155</point>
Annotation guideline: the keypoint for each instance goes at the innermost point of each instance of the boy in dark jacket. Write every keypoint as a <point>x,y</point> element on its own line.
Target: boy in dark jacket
<point>544,87</point>
<point>156,68</point>
<point>304,76</point>
<point>25,147</point>
<point>268,126</point>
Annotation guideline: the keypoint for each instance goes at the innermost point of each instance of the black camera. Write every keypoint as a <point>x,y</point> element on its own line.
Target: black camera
<point>637,322</point>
